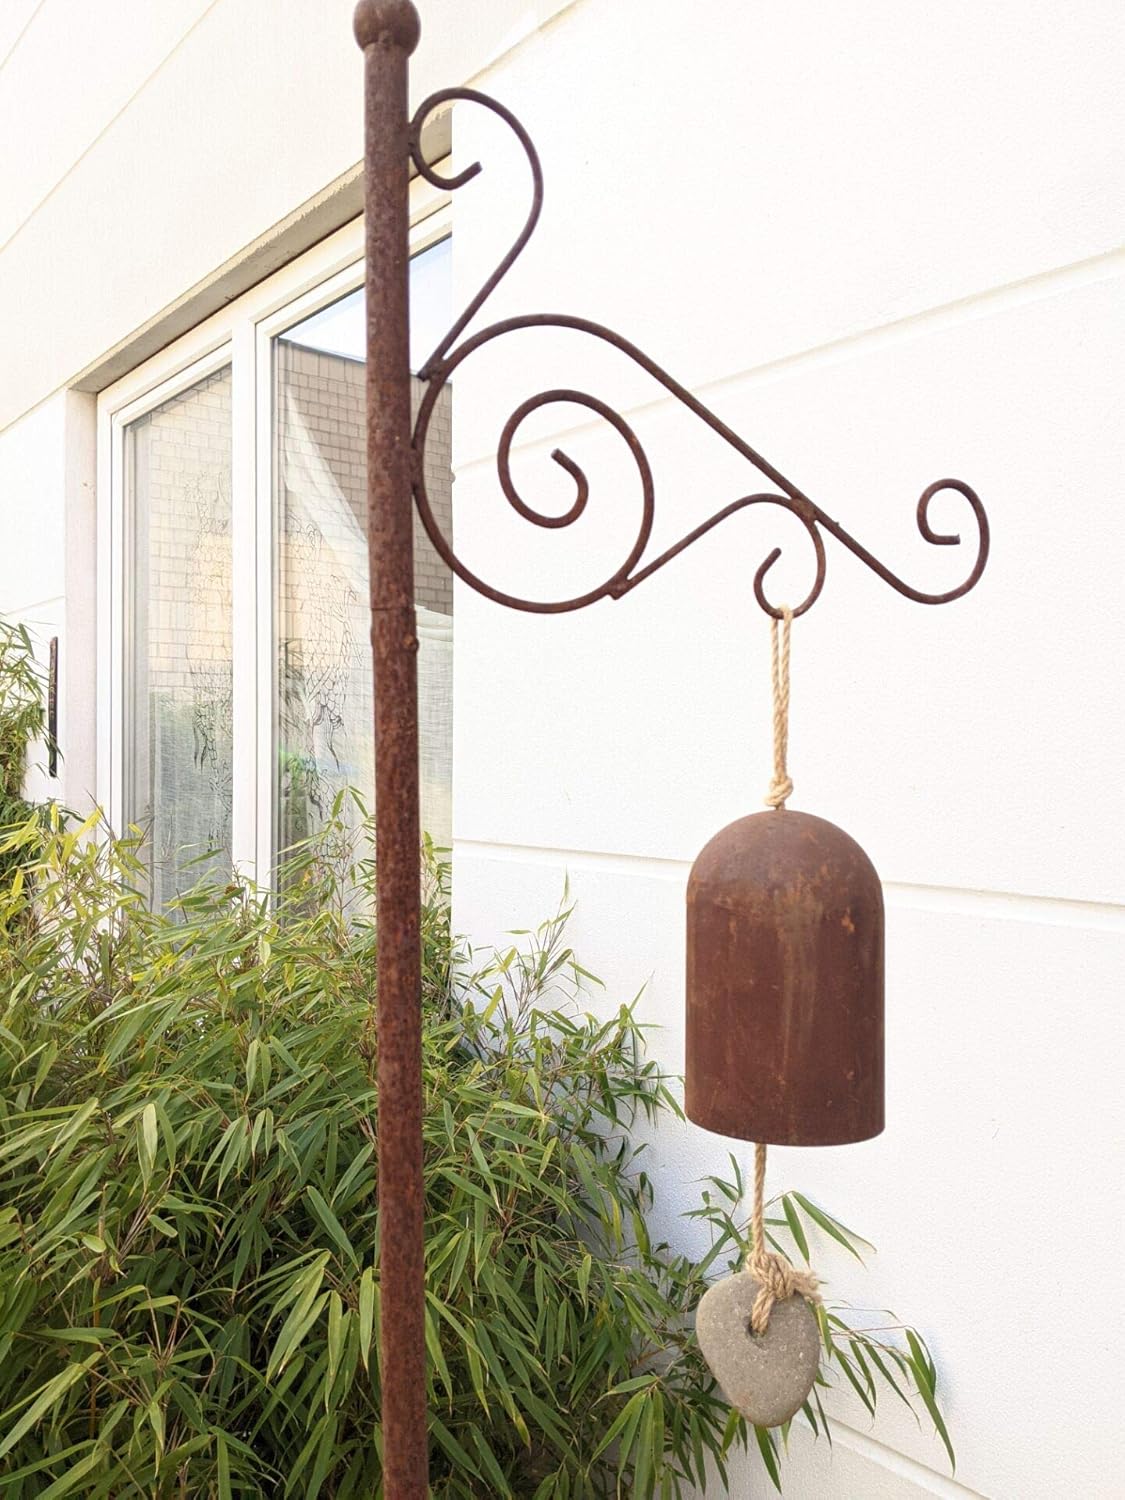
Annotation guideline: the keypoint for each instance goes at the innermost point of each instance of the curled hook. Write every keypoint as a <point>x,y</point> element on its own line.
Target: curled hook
<point>937,539</point>
<point>818,583</point>
<point>952,540</point>
<point>805,513</point>
<point>421,114</point>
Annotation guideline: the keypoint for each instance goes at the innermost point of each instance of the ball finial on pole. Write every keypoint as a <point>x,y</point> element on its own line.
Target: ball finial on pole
<point>397,20</point>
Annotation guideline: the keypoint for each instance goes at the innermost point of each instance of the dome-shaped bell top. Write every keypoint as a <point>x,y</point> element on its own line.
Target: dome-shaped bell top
<point>785,984</point>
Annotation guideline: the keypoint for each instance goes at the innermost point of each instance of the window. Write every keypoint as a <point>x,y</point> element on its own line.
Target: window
<point>323,693</point>
<point>235,693</point>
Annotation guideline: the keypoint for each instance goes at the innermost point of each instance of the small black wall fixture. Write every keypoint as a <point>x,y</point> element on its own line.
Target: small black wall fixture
<point>53,708</point>
<point>388,32</point>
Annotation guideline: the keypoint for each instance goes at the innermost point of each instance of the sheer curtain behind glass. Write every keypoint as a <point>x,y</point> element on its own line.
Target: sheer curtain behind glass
<point>324,691</point>
<point>179,756</point>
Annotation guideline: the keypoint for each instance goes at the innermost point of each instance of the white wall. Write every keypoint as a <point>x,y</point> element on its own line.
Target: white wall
<point>142,148</point>
<point>143,145</point>
<point>884,240</point>
<point>46,572</point>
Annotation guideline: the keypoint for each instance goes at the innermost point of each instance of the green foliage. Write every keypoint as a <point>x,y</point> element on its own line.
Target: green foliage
<point>21,716</point>
<point>189,1277</point>
<point>869,1355</point>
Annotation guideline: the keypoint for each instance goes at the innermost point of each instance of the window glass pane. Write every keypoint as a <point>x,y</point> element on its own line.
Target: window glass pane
<point>178,752</point>
<point>324,696</point>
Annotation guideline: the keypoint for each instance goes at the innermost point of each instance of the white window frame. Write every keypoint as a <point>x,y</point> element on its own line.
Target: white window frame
<point>240,335</point>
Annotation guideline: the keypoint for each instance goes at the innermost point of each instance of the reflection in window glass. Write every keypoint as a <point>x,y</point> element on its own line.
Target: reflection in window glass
<point>324,693</point>
<point>179,760</point>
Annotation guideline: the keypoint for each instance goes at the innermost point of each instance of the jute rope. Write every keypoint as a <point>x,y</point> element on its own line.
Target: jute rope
<point>777,1277</point>
<point>781,787</point>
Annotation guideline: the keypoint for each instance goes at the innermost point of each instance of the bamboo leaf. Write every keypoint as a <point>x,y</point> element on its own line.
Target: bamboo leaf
<point>795,1228</point>
<point>880,1364</point>
<point>222,1461</point>
<point>924,1377</point>
<point>921,1360</point>
<point>766,1448</point>
<point>366,1313</point>
<point>48,1396</point>
<point>832,1227</point>
<point>293,1330</point>
<point>451,1447</point>
<point>859,1386</point>
<point>331,1224</point>
<point>67,1483</point>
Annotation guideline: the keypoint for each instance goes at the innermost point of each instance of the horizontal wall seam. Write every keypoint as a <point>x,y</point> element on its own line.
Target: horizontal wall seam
<point>10,612</point>
<point>109,124</point>
<point>481,74</point>
<point>899,1464</point>
<point>975,306</point>
<point>480,79</point>
<point>24,29</point>
<point>958,900</point>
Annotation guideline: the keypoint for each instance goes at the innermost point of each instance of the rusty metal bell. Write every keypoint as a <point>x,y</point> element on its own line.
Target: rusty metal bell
<point>785,984</point>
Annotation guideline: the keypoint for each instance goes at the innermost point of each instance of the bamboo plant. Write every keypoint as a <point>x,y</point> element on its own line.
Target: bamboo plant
<point>189,1234</point>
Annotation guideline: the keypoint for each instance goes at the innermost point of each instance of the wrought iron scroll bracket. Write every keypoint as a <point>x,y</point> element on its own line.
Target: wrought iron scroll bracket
<point>454,349</point>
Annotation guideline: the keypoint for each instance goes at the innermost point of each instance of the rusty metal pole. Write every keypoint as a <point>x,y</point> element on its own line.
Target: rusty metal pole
<point>388,33</point>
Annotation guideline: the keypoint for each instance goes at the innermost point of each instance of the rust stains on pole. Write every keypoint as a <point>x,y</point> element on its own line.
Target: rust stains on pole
<point>388,33</point>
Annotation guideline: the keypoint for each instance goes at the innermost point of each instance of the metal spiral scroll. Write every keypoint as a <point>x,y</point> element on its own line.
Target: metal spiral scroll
<point>449,354</point>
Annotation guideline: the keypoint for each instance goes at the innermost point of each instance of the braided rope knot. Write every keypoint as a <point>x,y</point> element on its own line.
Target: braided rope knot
<point>781,789</point>
<point>777,1280</point>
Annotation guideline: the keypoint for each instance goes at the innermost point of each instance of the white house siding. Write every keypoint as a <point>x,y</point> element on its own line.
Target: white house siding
<point>884,241</point>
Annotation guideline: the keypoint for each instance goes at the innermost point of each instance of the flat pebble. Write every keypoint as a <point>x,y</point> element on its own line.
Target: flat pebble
<point>767,1377</point>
